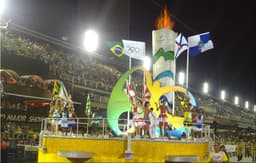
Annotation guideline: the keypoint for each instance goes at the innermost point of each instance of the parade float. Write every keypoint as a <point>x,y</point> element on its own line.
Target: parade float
<point>122,146</point>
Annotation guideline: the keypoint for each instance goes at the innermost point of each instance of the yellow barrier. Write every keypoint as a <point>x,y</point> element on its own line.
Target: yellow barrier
<point>113,150</point>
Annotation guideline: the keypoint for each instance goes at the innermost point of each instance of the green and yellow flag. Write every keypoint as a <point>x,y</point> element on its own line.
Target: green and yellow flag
<point>87,110</point>
<point>117,49</point>
<point>59,91</point>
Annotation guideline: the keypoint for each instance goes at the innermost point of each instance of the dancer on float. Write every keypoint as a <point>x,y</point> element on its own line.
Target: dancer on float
<point>145,128</point>
<point>71,117</point>
<point>137,118</point>
<point>55,112</point>
<point>163,121</point>
<point>153,124</point>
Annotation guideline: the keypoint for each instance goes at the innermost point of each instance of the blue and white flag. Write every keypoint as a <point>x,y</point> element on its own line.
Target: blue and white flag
<point>134,49</point>
<point>199,43</point>
<point>181,45</point>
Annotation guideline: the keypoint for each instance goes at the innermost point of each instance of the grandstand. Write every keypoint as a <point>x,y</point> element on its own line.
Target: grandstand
<point>45,59</point>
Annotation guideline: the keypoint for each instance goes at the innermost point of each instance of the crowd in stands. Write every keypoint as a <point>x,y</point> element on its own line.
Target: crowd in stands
<point>63,65</point>
<point>85,71</point>
<point>24,133</point>
<point>225,110</point>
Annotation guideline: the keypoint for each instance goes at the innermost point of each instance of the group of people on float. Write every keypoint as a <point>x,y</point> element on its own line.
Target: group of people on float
<point>146,121</point>
<point>62,114</point>
<point>193,121</point>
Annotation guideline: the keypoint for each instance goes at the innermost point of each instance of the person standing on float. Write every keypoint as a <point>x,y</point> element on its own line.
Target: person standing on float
<point>163,121</point>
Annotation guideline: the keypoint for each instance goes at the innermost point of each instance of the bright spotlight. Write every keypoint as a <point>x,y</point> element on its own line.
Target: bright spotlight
<point>205,87</point>
<point>222,94</point>
<point>236,100</point>
<point>254,108</point>
<point>181,78</point>
<point>246,104</point>
<point>2,6</point>
<point>147,62</point>
<point>91,40</point>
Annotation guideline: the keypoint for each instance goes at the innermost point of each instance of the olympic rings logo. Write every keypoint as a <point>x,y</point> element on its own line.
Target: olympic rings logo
<point>133,50</point>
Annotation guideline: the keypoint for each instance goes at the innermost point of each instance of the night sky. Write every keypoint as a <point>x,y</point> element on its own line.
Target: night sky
<point>230,65</point>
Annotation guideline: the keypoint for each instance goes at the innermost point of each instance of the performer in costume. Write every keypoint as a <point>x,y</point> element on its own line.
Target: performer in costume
<point>194,122</point>
<point>137,118</point>
<point>64,121</point>
<point>71,116</point>
<point>146,119</point>
<point>153,123</point>
<point>56,111</point>
<point>163,121</point>
<point>199,123</point>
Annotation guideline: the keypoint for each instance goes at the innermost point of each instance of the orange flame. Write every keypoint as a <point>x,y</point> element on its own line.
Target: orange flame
<point>164,20</point>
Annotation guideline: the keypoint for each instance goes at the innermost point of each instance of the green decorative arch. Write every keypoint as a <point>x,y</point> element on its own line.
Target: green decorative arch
<point>119,103</point>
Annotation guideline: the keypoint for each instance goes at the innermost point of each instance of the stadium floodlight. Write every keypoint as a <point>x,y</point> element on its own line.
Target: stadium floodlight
<point>181,79</point>
<point>147,62</point>
<point>236,100</point>
<point>2,6</point>
<point>91,40</point>
<point>254,108</point>
<point>222,94</point>
<point>205,87</point>
<point>246,105</point>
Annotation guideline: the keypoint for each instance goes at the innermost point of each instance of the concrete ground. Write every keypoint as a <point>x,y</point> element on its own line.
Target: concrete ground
<point>245,159</point>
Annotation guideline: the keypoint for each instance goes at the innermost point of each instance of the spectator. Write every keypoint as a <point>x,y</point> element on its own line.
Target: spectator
<point>240,147</point>
<point>223,148</point>
<point>217,155</point>
<point>4,151</point>
<point>253,150</point>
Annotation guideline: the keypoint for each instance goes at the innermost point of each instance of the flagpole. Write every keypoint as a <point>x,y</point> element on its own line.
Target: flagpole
<point>187,71</point>
<point>174,79</point>
<point>129,83</point>
<point>130,66</point>
<point>128,152</point>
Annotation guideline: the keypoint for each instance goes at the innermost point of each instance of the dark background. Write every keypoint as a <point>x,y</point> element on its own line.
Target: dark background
<point>229,66</point>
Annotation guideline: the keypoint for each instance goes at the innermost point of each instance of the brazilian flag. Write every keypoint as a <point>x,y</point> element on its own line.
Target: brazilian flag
<point>117,49</point>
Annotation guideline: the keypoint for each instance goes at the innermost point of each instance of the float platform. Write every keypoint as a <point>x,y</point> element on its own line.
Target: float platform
<point>84,149</point>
